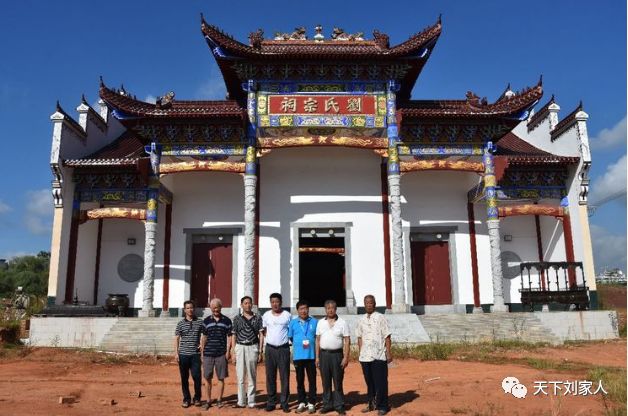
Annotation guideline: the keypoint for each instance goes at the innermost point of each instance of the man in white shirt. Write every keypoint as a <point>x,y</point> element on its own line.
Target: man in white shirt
<point>374,345</point>
<point>332,357</point>
<point>275,323</point>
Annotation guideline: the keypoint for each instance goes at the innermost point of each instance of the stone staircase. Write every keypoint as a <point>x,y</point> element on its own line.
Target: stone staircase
<point>156,335</point>
<point>141,336</point>
<point>486,327</point>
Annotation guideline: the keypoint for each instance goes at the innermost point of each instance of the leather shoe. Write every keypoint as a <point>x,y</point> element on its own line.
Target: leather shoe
<point>382,412</point>
<point>323,411</point>
<point>269,407</point>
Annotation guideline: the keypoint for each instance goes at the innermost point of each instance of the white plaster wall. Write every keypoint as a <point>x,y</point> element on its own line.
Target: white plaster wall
<point>437,198</point>
<point>59,248</point>
<point>524,244</point>
<point>86,259</point>
<point>114,246</point>
<point>349,182</point>
<point>201,200</point>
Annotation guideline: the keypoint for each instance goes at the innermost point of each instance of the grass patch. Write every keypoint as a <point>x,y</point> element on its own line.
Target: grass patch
<point>425,352</point>
<point>613,381</point>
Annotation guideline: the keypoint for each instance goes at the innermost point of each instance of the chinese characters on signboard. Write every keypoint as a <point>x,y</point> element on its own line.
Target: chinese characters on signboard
<point>322,105</point>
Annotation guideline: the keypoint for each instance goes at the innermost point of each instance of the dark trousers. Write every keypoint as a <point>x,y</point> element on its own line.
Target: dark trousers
<point>332,371</point>
<point>309,367</point>
<point>376,378</point>
<point>190,364</point>
<point>277,358</point>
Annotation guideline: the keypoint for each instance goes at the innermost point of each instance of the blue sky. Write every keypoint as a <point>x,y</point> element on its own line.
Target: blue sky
<point>57,50</point>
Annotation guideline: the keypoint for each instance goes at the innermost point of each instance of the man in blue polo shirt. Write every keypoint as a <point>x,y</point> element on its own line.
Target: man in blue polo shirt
<point>216,346</point>
<point>302,333</point>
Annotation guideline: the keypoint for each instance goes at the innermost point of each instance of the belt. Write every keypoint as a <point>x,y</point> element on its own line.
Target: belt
<point>286,345</point>
<point>246,343</point>
<point>333,351</point>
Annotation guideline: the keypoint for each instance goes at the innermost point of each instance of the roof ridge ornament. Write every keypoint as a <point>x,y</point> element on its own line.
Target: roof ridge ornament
<point>381,39</point>
<point>256,38</point>
<point>340,34</point>
<point>165,101</point>
<point>298,34</point>
<point>319,37</point>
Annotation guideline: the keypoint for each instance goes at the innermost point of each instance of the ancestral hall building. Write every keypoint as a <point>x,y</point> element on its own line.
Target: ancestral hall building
<point>319,177</point>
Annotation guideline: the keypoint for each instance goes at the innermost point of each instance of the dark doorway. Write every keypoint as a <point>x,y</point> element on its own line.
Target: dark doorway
<point>211,273</point>
<point>322,266</point>
<point>431,278</point>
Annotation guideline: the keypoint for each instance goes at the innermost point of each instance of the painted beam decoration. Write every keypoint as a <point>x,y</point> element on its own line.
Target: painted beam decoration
<point>359,142</point>
<point>531,209</point>
<point>204,150</point>
<point>318,110</point>
<point>460,165</point>
<point>113,195</point>
<point>113,213</point>
<point>202,166</point>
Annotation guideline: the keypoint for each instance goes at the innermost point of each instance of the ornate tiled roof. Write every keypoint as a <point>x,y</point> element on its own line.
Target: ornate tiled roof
<point>132,107</point>
<point>126,150</point>
<point>473,106</point>
<point>519,151</point>
<point>272,49</point>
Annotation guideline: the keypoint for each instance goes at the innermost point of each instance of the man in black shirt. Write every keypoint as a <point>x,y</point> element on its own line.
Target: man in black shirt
<point>216,345</point>
<point>187,337</point>
<point>249,348</point>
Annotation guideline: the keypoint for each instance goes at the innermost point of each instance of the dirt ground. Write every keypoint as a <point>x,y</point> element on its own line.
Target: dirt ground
<point>31,385</point>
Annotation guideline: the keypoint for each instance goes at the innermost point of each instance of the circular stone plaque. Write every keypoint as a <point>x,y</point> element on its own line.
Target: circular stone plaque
<point>131,268</point>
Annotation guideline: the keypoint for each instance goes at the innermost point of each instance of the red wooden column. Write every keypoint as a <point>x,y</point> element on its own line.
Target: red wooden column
<point>386,225</point>
<point>474,256</point>
<point>566,218</point>
<point>97,268</point>
<point>167,233</point>
<point>71,270</point>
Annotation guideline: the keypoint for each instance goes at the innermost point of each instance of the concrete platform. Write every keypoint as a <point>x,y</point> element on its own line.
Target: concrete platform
<point>155,335</point>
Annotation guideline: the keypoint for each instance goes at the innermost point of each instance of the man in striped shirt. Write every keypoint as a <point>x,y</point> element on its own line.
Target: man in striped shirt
<point>216,346</point>
<point>187,337</point>
<point>249,347</point>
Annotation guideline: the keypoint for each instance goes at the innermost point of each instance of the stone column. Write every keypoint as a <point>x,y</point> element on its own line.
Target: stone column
<point>250,189</point>
<point>394,188</point>
<point>493,229</point>
<point>150,232</point>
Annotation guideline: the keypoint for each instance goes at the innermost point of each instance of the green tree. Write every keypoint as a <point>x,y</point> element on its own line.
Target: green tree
<point>30,272</point>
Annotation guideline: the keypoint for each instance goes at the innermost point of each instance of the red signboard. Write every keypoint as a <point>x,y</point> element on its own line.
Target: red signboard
<point>322,104</point>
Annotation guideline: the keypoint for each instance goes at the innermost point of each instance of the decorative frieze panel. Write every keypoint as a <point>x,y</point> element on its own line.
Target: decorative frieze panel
<point>329,71</point>
<point>176,134</point>
<point>322,87</point>
<point>113,195</point>
<point>442,150</point>
<point>532,193</point>
<point>102,180</point>
<point>534,177</point>
<point>451,133</point>
<point>183,149</point>
<point>361,142</point>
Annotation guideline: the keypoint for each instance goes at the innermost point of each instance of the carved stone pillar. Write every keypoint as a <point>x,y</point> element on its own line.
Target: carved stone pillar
<point>394,178</point>
<point>490,182</point>
<point>150,232</point>
<point>250,191</point>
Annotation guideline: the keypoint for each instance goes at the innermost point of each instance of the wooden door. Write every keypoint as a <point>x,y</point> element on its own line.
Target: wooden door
<point>211,273</point>
<point>430,273</point>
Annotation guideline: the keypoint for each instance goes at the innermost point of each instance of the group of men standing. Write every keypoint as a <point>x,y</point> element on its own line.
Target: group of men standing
<point>322,344</point>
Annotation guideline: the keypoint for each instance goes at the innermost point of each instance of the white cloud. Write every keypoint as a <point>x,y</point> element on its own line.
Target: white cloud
<point>4,208</point>
<point>150,99</point>
<point>609,249</point>
<point>612,182</point>
<point>611,137</point>
<point>38,212</point>
<point>212,89</point>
